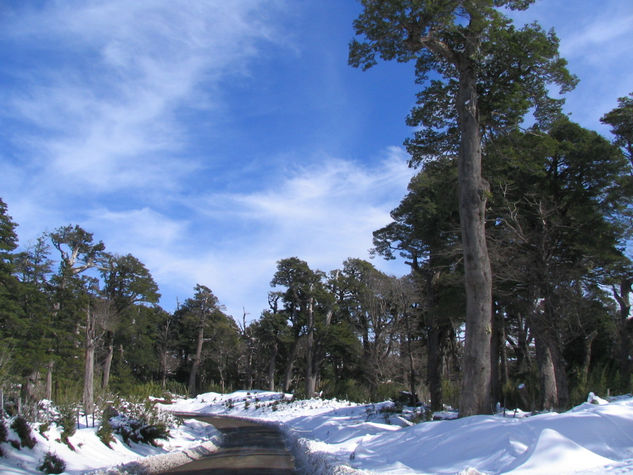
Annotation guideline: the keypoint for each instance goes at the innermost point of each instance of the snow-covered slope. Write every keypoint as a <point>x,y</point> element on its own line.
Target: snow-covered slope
<point>591,438</point>
<point>91,454</point>
<point>334,436</point>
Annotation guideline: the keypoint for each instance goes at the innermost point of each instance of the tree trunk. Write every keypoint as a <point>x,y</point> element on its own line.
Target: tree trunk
<point>562,386</point>
<point>584,370</point>
<point>49,380</point>
<point>547,373</point>
<point>310,370</point>
<point>290,365</point>
<point>89,365</point>
<point>497,354</point>
<point>163,368</point>
<point>434,368</point>
<point>473,191</point>
<point>196,362</point>
<point>107,364</point>
<point>88,397</point>
<point>249,369</point>
<point>271,369</point>
<point>412,380</point>
<point>625,330</point>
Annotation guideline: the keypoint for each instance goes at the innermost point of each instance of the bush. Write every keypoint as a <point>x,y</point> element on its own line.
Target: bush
<point>141,423</point>
<point>134,430</point>
<point>51,463</point>
<point>22,428</point>
<point>352,390</point>
<point>68,423</point>
<point>105,431</point>
<point>43,429</point>
<point>4,432</point>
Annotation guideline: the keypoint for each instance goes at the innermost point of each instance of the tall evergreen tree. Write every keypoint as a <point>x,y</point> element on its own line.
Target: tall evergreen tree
<point>621,121</point>
<point>126,282</point>
<point>10,314</point>
<point>425,232</point>
<point>300,284</point>
<point>199,311</point>
<point>463,42</point>
<point>559,199</point>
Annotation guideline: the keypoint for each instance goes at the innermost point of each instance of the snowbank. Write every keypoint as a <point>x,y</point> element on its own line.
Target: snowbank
<point>340,437</point>
<point>192,439</point>
<point>333,436</point>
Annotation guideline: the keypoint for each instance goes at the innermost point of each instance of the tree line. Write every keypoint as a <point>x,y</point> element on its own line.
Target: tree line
<point>515,229</point>
<point>481,78</point>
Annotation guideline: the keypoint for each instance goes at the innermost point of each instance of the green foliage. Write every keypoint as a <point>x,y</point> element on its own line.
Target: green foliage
<point>105,431</point>
<point>23,429</point>
<point>512,67</point>
<point>351,390</point>
<point>43,429</point>
<point>451,392</point>
<point>68,422</point>
<point>621,121</point>
<point>52,463</point>
<point>4,432</point>
<point>140,422</point>
<point>389,391</point>
<point>142,391</point>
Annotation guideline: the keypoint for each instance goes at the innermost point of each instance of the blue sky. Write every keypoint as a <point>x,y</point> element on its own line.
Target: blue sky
<point>212,138</point>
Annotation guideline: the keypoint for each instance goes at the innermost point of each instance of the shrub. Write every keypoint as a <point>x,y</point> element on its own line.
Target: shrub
<point>68,423</point>
<point>43,429</point>
<point>4,433</point>
<point>51,463</point>
<point>22,428</point>
<point>151,433</point>
<point>141,423</point>
<point>105,432</point>
<point>134,430</point>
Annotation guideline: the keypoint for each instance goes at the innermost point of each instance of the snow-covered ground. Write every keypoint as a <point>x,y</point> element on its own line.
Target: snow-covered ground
<point>590,438</point>
<point>189,440</point>
<point>333,436</point>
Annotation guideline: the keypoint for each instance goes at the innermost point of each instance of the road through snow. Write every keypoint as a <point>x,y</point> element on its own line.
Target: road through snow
<point>247,447</point>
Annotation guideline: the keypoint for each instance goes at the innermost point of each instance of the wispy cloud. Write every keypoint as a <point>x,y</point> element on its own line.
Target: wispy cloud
<point>323,214</point>
<point>121,72</point>
<point>602,36</point>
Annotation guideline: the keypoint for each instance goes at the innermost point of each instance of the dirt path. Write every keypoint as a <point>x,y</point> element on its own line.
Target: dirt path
<point>247,447</point>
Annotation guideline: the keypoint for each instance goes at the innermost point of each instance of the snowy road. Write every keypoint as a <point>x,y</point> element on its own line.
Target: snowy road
<point>247,447</point>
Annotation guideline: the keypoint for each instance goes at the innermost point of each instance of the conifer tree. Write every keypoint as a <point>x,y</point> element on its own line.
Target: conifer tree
<point>477,56</point>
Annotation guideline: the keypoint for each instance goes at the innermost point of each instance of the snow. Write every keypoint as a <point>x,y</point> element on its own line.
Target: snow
<point>595,437</point>
<point>335,436</point>
<point>91,454</point>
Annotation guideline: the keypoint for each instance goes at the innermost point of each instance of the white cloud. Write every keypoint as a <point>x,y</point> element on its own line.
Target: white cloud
<point>603,36</point>
<point>123,70</point>
<point>322,214</point>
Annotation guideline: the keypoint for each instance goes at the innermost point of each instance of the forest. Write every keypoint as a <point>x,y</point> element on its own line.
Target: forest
<point>79,323</point>
<point>542,272</point>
